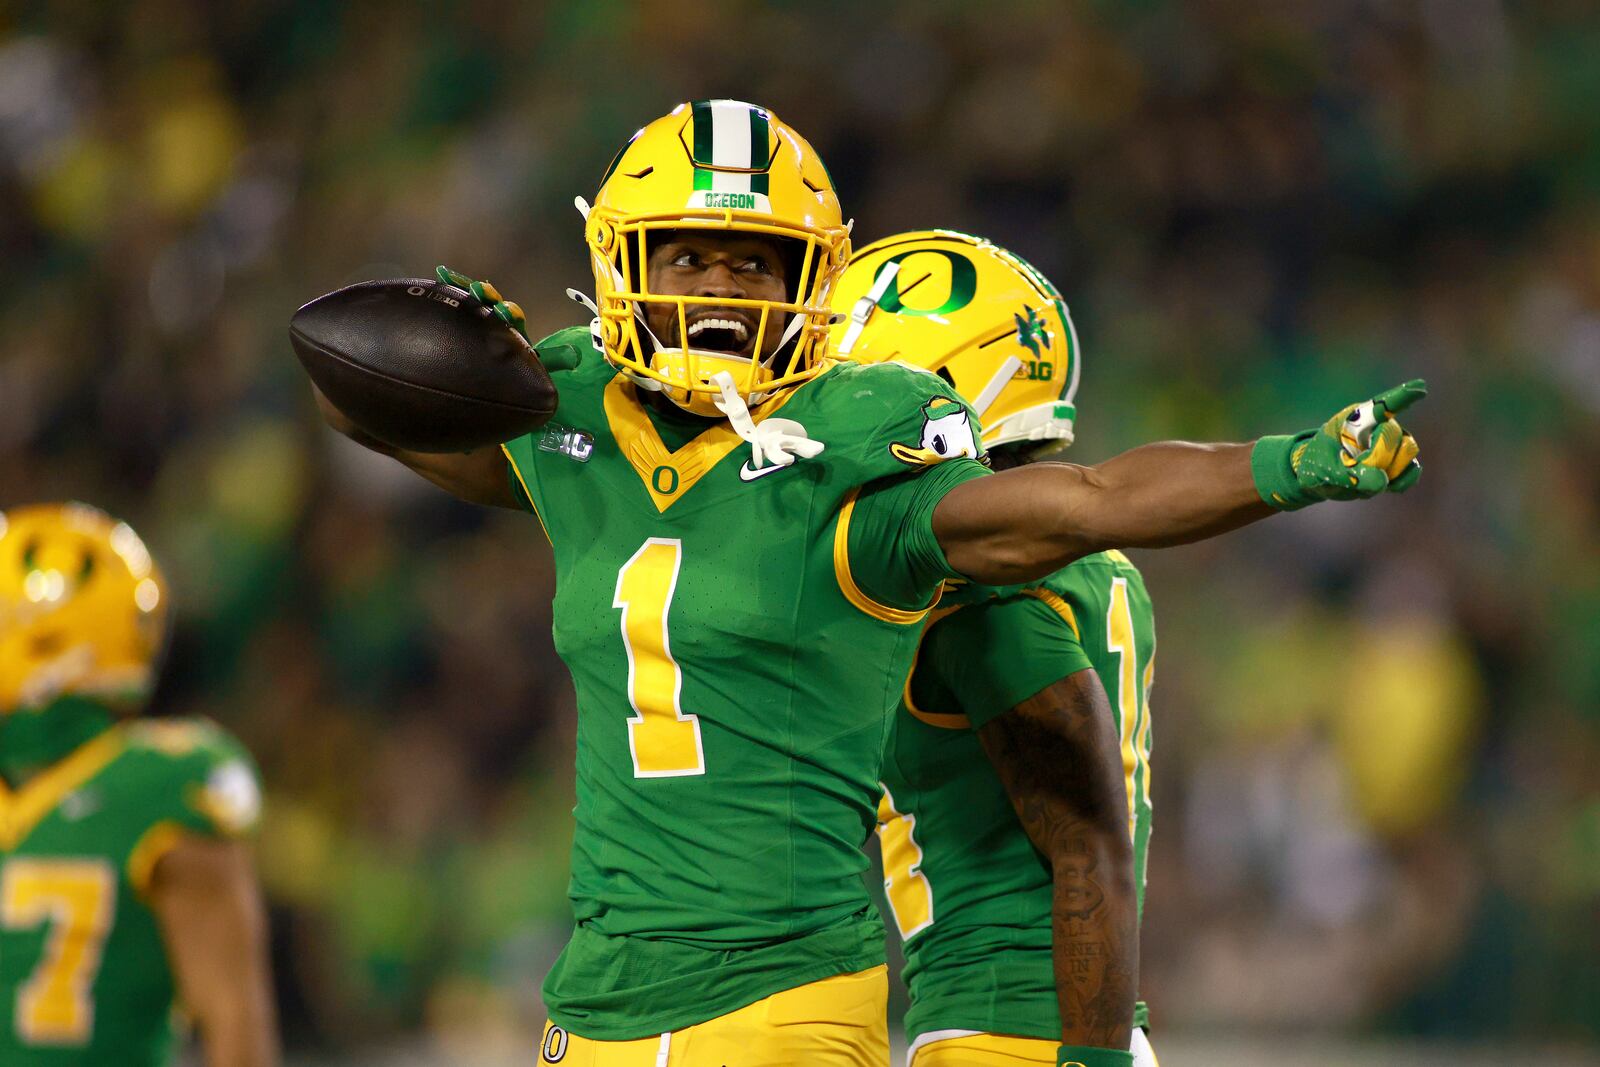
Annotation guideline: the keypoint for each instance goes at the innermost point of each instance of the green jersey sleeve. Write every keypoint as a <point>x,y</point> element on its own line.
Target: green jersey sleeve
<point>929,437</point>
<point>987,658</point>
<point>891,533</point>
<point>191,777</point>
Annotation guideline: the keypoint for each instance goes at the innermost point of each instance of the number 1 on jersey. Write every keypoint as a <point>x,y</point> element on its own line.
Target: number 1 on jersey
<point>664,741</point>
<point>1132,699</point>
<point>904,883</point>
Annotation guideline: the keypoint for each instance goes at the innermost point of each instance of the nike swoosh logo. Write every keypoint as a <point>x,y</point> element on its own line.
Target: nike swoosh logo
<point>747,474</point>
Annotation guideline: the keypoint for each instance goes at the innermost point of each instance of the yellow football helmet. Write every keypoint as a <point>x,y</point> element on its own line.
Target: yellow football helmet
<point>974,313</point>
<point>83,608</point>
<point>715,165</point>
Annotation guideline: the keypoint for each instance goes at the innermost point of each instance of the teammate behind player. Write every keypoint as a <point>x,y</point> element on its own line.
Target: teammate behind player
<point>984,858</point>
<point>737,619</point>
<point>124,885</point>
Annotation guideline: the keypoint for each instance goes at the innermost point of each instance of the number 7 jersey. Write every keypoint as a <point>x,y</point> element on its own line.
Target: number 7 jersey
<point>84,980</point>
<point>734,676</point>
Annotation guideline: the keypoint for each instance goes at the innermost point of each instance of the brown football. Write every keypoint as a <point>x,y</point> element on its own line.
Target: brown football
<point>421,365</point>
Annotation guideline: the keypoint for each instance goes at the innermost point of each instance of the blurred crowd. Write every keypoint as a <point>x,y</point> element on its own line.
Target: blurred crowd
<point>1372,725</point>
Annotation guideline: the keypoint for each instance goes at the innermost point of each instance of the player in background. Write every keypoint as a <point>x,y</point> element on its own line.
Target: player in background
<point>1015,819</point>
<point>747,538</point>
<point>126,889</point>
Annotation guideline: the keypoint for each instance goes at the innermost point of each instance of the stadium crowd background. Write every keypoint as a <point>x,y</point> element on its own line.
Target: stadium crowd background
<point>1377,727</point>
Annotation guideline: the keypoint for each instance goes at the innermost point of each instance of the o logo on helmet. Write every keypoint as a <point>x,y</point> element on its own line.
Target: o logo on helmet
<point>555,1045</point>
<point>963,284</point>
<point>666,474</point>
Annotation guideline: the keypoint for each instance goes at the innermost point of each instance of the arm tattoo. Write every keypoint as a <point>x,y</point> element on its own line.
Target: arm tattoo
<point>1058,756</point>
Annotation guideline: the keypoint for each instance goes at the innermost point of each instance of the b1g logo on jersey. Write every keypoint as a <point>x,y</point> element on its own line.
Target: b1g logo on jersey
<point>946,434</point>
<point>554,1049</point>
<point>568,442</point>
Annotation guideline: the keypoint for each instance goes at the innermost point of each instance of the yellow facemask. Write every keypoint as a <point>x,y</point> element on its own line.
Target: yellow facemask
<point>83,608</point>
<point>721,166</point>
<point>970,310</point>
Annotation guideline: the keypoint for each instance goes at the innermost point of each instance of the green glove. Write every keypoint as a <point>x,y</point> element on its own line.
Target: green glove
<point>1360,452</point>
<point>486,294</point>
<point>1083,1056</point>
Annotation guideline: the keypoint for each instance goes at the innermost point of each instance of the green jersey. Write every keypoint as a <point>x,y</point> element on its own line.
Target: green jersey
<point>83,971</point>
<point>970,894</point>
<point>734,636</point>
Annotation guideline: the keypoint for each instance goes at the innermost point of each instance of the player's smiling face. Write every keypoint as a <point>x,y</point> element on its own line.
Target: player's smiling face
<point>736,266</point>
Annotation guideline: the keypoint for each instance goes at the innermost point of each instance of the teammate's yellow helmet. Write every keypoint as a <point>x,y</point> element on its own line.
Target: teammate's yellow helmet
<point>973,312</point>
<point>83,608</point>
<point>715,165</point>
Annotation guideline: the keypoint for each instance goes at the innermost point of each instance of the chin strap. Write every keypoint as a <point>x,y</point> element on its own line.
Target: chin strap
<point>867,305</point>
<point>773,440</point>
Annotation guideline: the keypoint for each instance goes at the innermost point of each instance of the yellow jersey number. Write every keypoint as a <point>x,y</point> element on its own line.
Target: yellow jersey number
<point>1133,699</point>
<point>77,898</point>
<point>664,741</point>
<point>905,884</point>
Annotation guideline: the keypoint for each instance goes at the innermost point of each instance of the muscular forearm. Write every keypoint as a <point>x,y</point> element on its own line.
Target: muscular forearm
<point>240,1036</point>
<point>1058,757</point>
<point>1095,939</point>
<point>1031,521</point>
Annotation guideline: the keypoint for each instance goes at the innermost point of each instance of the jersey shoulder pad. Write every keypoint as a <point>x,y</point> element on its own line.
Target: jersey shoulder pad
<point>194,773</point>
<point>1084,585</point>
<point>580,373</point>
<point>567,349</point>
<point>898,417</point>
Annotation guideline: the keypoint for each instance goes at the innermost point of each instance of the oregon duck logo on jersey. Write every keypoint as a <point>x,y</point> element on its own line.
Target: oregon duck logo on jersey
<point>946,434</point>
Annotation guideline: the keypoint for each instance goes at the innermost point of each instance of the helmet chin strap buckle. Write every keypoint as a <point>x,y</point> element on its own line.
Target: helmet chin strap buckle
<point>863,309</point>
<point>773,440</point>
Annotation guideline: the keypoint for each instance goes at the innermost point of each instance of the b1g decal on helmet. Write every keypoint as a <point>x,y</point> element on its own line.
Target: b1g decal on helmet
<point>554,1049</point>
<point>946,434</point>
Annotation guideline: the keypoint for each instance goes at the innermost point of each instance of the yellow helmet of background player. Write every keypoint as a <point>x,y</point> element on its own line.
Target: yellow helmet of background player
<point>719,166</point>
<point>83,608</point>
<point>974,313</point>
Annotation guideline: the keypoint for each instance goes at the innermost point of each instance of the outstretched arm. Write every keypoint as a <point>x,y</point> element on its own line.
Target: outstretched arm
<point>205,897</point>
<point>1058,757</point>
<point>1031,521</point>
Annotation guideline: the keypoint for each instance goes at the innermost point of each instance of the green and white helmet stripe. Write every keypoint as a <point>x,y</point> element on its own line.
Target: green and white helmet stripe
<point>731,148</point>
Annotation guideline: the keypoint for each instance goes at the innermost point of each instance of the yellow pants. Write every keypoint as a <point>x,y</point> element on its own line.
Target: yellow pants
<point>837,1022</point>
<point>998,1050</point>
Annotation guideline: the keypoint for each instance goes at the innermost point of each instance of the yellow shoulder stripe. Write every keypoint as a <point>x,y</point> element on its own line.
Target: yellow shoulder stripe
<point>847,582</point>
<point>944,720</point>
<point>157,841</point>
<point>22,810</point>
<point>1057,605</point>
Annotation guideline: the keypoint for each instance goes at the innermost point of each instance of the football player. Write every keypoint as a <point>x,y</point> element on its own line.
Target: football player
<point>1015,817</point>
<point>125,886</point>
<point>748,537</point>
